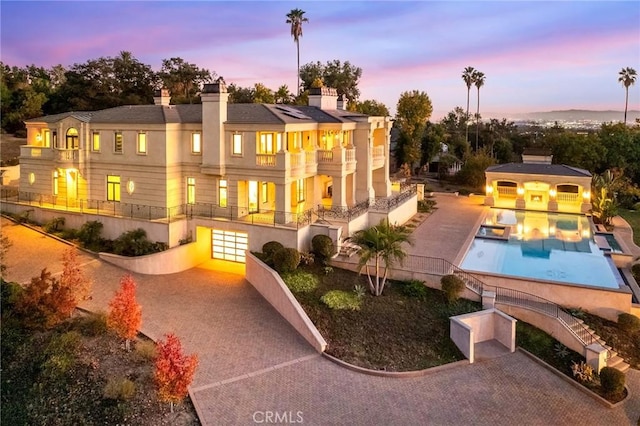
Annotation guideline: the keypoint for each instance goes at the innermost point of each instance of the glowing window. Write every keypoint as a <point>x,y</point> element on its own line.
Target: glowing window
<point>47,138</point>
<point>222,197</point>
<point>265,192</point>
<point>95,141</point>
<point>237,144</point>
<point>117,142</point>
<point>300,190</point>
<point>191,190</point>
<point>142,143</point>
<point>113,188</point>
<point>71,141</point>
<point>266,144</point>
<point>196,143</point>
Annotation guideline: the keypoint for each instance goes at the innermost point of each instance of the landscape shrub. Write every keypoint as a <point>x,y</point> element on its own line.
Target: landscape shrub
<point>136,243</point>
<point>54,225</point>
<point>583,372</point>
<point>628,323</point>
<point>413,288</point>
<point>69,234</point>
<point>60,356</point>
<point>286,260</point>
<point>636,206</point>
<point>121,389</point>
<point>339,299</point>
<point>612,381</point>
<point>426,206</point>
<point>146,349</point>
<point>270,248</point>
<point>300,282</point>
<point>89,234</point>
<point>93,324</point>
<point>453,287</point>
<point>306,258</point>
<point>323,247</point>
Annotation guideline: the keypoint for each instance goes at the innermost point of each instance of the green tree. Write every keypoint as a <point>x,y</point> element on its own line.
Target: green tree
<point>467,77</point>
<point>413,110</point>
<point>263,95</point>
<point>372,107</point>
<point>296,17</point>
<point>381,244</point>
<point>455,126</point>
<point>283,95</point>
<point>344,77</point>
<point>472,171</point>
<point>135,81</point>
<point>478,80</point>
<point>627,76</point>
<point>433,141</point>
<point>604,204</point>
<point>184,80</point>
<point>240,95</point>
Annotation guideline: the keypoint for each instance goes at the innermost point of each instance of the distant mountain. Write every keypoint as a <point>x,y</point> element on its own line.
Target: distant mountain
<point>580,115</point>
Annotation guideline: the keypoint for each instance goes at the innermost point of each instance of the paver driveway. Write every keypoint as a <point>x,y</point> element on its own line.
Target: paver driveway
<point>253,365</point>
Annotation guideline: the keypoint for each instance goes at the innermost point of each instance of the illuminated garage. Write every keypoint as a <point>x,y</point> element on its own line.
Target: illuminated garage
<point>229,245</point>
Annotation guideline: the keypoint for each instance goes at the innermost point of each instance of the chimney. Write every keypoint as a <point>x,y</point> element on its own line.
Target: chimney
<point>161,97</point>
<point>323,97</point>
<point>214,114</point>
<point>342,102</point>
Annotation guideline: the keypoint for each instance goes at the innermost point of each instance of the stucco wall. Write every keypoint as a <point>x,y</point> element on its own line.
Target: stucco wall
<point>463,336</point>
<point>476,327</point>
<point>273,289</point>
<point>171,261</point>
<point>607,303</point>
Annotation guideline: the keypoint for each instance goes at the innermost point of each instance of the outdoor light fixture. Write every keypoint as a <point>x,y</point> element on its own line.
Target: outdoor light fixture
<point>520,190</point>
<point>32,178</point>
<point>586,195</point>
<point>489,189</point>
<point>131,186</point>
<point>38,137</point>
<point>552,193</point>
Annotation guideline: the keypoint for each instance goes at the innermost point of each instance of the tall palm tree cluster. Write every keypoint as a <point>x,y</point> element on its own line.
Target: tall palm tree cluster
<point>296,18</point>
<point>472,77</point>
<point>627,78</point>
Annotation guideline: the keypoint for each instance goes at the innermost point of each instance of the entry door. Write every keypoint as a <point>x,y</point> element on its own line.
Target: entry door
<point>72,184</point>
<point>253,197</point>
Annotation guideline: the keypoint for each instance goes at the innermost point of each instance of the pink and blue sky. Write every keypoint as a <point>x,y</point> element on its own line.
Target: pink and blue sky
<point>536,56</point>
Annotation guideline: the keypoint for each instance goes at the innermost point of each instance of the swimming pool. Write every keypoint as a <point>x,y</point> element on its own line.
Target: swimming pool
<point>542,246</point>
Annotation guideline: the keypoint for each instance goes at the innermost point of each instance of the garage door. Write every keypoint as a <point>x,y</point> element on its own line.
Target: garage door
<point>229,245</point>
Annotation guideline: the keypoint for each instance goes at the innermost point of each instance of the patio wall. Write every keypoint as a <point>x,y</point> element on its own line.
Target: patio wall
<point>273,289</point>
<point>468,329</point>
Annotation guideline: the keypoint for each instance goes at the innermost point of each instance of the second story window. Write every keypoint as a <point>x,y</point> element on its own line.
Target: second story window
<point>236,149</point>
<point>191,190</point>
<point>196,143</point>
<point>300,191</point>
<point>266,144</point>
<point>142,143</point>
<point>47,138</point>
<point>54,139</point>
<point>95,141</point>
<point>71,140</point>
<point>113,188</point>
<point>117,142</point>
<point>222,196</point>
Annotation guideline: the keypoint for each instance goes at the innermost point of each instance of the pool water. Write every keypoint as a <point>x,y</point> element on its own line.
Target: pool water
<point>546,246</point>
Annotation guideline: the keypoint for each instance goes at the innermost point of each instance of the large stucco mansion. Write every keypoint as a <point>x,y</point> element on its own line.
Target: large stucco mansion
<point>238,175</point>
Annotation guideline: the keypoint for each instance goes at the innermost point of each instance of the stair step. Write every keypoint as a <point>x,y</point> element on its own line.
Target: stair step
<point>614,360</point>
<point>623,367</point>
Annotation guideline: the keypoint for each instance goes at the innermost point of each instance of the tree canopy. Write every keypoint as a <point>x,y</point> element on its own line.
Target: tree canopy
<point>413,110</point>
<point>342,76</point>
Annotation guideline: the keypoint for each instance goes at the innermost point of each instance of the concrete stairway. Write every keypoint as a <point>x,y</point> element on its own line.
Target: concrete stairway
<point>614,360</point>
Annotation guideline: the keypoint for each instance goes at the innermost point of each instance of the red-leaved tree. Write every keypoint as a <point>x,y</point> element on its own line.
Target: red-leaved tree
<point>45,302</point>
<point>125,314</point>
<point>73,276</point>
<point>174,370</point>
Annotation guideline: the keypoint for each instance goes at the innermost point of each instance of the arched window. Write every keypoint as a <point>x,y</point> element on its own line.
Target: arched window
<point>72,139</point>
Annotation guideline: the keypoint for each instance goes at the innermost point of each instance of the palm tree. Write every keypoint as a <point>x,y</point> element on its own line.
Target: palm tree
<point>467,76</point>
<point>296,18</point>
<point>478,80</point>
<point>382,244</point>
<point>627,78</point>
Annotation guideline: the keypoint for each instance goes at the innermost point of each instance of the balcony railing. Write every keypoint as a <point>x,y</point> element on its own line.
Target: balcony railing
<point>567,197</point>
<point>297,159</point>
<point>66,154</point>
<point>145,212</point>
<point>350,155</point>
<point>342,213</point>
<point>325,156</point>
<point>390,203</point>
<point>265,160</point>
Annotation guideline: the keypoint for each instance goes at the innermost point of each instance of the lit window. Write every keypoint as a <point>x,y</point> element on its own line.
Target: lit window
<point>47,138</point>
<point>95,141</point>
<point>237,144</point>
<point>196,143</point>
<point>278,142</point>
<point>71,141</point>
<point>113,188</point>
<point>266,144</point>
<point>191,190</point>
<point>265,192</point>
<point>117,142</point>
<point>142,143</point>
<point>300,190</point>
<point>55,182</point>
<point>223,193</point>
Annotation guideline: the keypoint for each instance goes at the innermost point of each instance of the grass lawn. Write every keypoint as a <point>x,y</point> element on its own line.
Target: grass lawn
<point>633,217</point>
<point>392,332</point>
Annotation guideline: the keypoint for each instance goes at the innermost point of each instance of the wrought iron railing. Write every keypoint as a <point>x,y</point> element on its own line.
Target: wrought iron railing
<point>389,203</point>
<point>342,213</point>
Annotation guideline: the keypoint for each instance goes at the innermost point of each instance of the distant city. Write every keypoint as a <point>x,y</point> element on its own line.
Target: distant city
<point>573,118</point>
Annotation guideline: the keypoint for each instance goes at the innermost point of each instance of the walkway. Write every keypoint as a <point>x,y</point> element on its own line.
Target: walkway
<point>252,362</point>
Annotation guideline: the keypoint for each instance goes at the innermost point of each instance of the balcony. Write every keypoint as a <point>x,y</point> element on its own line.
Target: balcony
<point>296,164</point>
<point>265,160</point>
<point>66,157</point>
<point>338,160</point>
<point>38,152</point>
